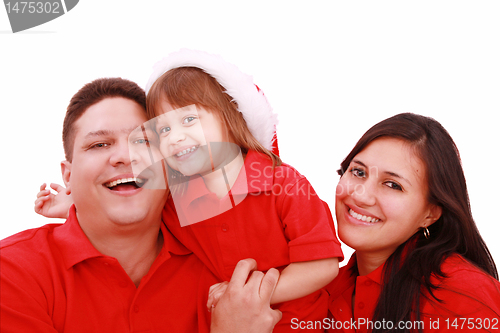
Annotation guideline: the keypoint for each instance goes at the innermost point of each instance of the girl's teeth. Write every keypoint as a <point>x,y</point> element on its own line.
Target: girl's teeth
<point>185,151</point>
<point>363,218</point>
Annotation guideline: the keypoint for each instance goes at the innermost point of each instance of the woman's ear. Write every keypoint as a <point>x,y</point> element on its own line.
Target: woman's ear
<point>66,174</point>
<point>435,212</point>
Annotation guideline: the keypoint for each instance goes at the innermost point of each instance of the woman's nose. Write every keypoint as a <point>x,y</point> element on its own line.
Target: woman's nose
<point>363,194</point>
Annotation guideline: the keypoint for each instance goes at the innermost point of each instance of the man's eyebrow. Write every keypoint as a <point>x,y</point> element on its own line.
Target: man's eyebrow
<point>109,132</point>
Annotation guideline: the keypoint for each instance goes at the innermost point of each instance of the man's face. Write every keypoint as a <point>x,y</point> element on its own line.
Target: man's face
<point>103,185</point>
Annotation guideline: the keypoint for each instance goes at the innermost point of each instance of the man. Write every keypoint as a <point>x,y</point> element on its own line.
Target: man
<point>113,266</point>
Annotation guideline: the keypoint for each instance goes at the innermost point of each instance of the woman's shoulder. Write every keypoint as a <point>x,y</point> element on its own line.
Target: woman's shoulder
<point>465,290</point>
<point>460,271</point>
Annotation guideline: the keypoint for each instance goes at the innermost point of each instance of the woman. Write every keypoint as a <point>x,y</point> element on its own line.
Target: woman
<point>420,264</point>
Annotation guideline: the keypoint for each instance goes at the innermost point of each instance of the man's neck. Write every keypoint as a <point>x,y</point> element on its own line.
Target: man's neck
<point>135,250</point>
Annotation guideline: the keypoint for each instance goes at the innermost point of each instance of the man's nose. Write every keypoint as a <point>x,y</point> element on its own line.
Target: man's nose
<point>120,154</point>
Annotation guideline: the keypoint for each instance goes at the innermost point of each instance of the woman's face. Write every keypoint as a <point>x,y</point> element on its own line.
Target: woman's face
<point>381,200</point>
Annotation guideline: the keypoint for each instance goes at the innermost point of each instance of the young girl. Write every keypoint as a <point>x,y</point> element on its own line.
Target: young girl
<point>232,197</point>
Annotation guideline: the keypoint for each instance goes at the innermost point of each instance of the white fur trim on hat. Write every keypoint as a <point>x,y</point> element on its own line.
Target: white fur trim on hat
<point>252,103</point>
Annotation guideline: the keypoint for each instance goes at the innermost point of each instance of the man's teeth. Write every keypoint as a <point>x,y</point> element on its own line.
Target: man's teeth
<point>185,151</point>
<point>124,180</point>
<point>363,218</point>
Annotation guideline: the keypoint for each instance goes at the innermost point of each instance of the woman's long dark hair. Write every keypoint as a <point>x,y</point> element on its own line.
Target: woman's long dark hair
<point>454,232</point>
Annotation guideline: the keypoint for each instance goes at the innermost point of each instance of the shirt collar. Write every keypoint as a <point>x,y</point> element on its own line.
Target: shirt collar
<point>256,176</point>
<point>72,241</point>
<point>75,246</point>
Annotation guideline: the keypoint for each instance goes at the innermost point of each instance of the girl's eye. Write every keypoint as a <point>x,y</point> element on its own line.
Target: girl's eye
<point>394,186</point>
<point>357,172</point>
<point>164,129</point>
<point>188,119</point>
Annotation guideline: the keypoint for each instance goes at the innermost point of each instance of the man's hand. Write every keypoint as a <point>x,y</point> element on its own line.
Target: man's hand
<point>245,306</point>
<point>53,205</point>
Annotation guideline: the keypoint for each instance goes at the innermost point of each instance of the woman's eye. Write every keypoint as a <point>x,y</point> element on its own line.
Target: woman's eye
<point>188,119</point>
<point>141,141</point>
<point>394,186</point>
<point>358,172</point>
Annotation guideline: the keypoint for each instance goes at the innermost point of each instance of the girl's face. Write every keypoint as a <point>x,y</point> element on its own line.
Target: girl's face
<point>381,200</point>
<point>185,135</point>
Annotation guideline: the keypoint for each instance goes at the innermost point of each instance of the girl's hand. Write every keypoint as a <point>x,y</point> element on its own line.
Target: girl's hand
<point>53,205</point>
<point>215,293</point>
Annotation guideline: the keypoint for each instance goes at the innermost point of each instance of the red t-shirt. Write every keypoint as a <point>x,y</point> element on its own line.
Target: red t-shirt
<point>54,280</point>
<point>470,300</point>
<point>278,219</point>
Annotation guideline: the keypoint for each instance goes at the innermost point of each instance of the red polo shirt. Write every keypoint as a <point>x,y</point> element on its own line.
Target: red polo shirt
<point>471,299</point>
<point>54,280</point>
<point>278,219</point>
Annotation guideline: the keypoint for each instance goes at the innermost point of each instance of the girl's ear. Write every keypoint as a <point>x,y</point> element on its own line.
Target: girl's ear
<point>434,214</point>
<point>66,174</point>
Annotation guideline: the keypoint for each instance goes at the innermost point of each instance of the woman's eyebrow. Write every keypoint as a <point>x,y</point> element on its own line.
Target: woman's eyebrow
<point>393,174</point>
<point>360,163</point>
<point>390,173</point>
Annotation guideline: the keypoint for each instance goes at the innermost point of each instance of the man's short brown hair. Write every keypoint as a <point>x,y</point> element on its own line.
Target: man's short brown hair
<point>93,93</point>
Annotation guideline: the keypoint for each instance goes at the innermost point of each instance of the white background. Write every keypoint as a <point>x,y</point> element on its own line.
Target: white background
<point>330,69</point>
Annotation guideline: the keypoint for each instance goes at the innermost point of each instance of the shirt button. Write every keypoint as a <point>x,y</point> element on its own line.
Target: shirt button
<point>361,305</point>
<point>225,227</point>
<point>368,283</point>
<point>136,308</point>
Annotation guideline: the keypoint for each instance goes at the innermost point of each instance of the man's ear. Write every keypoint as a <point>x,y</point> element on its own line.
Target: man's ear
<point>434,214</point>
<point>66,174</point>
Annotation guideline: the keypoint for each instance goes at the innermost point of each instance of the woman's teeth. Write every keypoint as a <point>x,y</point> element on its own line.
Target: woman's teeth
<point>363,218</point>
<point>185,151</point>
<point>124,180</point>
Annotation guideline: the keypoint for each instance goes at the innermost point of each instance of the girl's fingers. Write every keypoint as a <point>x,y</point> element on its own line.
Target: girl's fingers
<point>56,187</point>
<point>42,187</point>
<point>215,293</point>
<point>42,193</point>
<point>42,199</point>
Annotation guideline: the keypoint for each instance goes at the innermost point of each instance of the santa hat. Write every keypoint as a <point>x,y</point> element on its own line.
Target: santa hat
<point>252,103</point>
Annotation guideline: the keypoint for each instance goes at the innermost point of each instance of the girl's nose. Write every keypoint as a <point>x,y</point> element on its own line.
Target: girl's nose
<point>177,135</point>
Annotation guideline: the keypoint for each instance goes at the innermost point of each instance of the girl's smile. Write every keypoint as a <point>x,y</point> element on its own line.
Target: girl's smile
<point>185,135</point>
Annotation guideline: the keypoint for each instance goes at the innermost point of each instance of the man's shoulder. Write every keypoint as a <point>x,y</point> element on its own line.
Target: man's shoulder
<point>29,237</point>
<point>29,248</point>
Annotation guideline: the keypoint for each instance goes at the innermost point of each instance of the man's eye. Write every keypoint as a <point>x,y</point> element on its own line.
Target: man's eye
<point>358,172</point>
<point>99,145</point>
